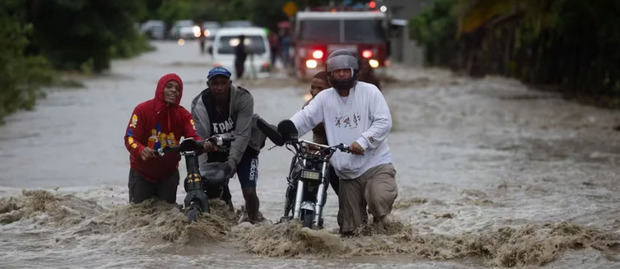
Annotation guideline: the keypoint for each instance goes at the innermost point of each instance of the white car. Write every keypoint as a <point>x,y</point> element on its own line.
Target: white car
<point>258,62</point>
<point>153,29</point>
<point>185,29</point>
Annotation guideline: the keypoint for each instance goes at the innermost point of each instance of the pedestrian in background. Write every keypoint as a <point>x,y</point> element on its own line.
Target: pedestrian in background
<point>285,44</point>
<point>240,55</point>
<point>367,74</point>
<point>274,46</point>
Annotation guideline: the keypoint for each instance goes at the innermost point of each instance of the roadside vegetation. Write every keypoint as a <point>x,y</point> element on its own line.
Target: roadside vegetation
<point>566,45</point>
<point>43,39</point>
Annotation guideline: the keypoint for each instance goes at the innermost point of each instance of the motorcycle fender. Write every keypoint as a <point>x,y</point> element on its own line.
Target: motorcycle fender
<point>307,205</point>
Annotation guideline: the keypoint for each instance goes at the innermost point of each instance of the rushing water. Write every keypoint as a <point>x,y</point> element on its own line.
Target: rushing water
<point>490,174</point>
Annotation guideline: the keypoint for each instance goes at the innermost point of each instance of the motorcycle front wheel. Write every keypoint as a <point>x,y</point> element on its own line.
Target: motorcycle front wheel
<point>307,216</point>
<point>193,212</point>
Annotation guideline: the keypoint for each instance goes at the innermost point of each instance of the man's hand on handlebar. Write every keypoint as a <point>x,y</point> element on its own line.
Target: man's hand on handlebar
<point>356,149</point>
<point>209,147</point>
<point>147,153</point>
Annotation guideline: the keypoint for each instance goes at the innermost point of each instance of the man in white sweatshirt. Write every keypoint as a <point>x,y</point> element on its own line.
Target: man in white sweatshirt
<point>355,113</point>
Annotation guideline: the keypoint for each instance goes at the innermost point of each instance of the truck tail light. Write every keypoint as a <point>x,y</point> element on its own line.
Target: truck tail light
<point>317,54</point>
<point>367,54</point>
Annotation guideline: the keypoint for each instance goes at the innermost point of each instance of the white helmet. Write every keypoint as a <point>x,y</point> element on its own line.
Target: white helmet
<point>342,59</point>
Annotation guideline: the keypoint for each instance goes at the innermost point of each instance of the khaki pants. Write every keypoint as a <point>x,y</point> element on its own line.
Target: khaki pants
<point>376,188</point>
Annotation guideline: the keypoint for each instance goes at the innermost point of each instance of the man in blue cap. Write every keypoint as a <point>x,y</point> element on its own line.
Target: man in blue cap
<point>225,108</point>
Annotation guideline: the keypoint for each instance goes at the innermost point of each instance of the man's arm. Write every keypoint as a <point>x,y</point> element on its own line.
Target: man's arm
<point>243,127</point>
<point>380,122</point>
<point>134,134</point>
<point>309,116</point>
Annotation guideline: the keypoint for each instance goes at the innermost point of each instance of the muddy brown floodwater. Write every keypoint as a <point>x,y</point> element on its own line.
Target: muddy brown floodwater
<point>490,174</point>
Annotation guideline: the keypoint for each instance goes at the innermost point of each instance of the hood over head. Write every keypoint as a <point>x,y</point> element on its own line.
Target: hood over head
<point>159,92</point>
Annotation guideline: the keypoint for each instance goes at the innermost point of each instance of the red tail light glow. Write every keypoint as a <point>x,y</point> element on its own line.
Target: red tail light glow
<point>366,54</point>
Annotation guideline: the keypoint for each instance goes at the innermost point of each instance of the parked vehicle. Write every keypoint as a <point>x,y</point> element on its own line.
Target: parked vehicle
<point>317,33</point>
<point>307,180</point>
<point>185,29</point>
<point>209,28</point>
<point>237,23</point>
<point>258,62</point>
<point>154,29</point>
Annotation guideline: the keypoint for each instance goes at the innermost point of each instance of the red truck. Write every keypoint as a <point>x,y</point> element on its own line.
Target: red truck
<point>317,33</point>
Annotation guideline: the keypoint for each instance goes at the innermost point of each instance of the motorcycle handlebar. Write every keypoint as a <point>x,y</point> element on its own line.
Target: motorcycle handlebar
<point>190,144</point>
<point>221,140</point>
<point>342,147</point>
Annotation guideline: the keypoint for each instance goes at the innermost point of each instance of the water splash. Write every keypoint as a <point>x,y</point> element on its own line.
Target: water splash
<point>163,227</point>
<point>505,246</point>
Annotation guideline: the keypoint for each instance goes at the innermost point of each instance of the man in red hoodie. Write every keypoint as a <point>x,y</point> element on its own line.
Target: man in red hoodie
<point>156,123</point>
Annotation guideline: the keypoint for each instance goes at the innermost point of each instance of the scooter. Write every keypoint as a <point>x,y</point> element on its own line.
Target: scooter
<point>201,187</point>
<point>307,179</point>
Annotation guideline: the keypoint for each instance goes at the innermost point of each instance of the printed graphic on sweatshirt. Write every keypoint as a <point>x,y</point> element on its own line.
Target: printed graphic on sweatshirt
<point>159,139</point>
<point>223,126</point>
<point>130,139</point>
<point>348,121</point>
<point>134,121</point>
<point>156,140</point>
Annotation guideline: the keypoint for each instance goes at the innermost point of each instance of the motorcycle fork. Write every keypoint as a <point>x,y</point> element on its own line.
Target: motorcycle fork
<point>193,181</point>
<point>320,200</point>
<point>287,199</point>
<point>299,195</point>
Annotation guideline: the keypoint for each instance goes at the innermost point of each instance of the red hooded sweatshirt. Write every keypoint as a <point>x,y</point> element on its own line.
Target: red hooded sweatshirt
<point>156,124</point>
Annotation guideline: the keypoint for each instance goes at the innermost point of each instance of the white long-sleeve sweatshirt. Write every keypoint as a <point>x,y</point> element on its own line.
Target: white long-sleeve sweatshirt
<point>361,117</point>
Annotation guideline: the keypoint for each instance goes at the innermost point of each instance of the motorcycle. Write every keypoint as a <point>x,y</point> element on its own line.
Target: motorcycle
<point>307,179</point>
<point>199,187</point>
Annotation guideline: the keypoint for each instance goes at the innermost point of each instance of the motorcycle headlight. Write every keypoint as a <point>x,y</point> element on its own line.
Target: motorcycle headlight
<point>310,175</point>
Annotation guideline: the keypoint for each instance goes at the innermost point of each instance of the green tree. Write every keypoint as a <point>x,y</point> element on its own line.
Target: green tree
<point>569,44</point>
<point>435,27</point>
<point>21,75</point>
<point>72,33</point>
<point>173,10</point>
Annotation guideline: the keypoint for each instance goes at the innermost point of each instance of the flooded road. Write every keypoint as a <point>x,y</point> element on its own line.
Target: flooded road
<point>490,174</point>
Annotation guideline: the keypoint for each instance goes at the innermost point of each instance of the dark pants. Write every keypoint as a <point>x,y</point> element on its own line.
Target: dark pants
<point>140,189</point>
<point>247,169</point>
<point>239,68</point>
<point>333,179</point>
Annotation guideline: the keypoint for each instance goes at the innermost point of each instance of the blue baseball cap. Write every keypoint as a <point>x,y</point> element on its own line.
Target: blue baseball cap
<point>218,71</point>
